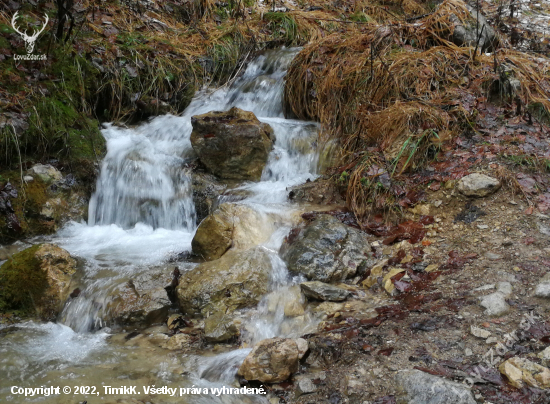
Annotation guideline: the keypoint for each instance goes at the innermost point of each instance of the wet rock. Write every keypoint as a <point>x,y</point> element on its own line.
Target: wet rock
<point>293,302</point>
<point>37,279</point>
<point>142,299</point>
<point>327,251</point>
<point>271,361</point>
<point>179,342</point>
<point>318,192</point>
<point>220,327</point>
<point>466,31</point>
<point>232,144</point>
<point>479,185</point>
<point>234,226</point>
<point>206,190</point>
<point>237,280</point>
<point>416,387</point>
<point>495,304</point>
<point>543,288</point>
<point>323,291</point>
<point>520,371</point>
<point>176,321</point>
<point>47,173</point>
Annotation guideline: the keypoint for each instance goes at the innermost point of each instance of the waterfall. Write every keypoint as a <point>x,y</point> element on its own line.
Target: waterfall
<point>142,215</point>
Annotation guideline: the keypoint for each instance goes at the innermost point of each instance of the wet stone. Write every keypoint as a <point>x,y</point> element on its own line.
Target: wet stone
<point>323,291</point>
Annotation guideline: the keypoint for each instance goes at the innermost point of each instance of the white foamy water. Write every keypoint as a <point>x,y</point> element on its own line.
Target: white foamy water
<point>142,215</point>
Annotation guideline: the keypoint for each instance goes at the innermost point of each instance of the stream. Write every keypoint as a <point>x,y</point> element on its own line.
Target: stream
<point>141,220</point>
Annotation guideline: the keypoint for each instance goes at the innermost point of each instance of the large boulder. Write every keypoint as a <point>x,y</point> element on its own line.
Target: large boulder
<point>37,280</point>
<point>234,226</point>
<point>328,251</point>
<point>142,299</point>
<point>417,387</point>
<point>232,144</point>
<point>273,360</point>
<point>237,280</point>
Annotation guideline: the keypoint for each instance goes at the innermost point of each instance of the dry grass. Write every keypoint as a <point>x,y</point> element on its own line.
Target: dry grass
<point>401,88</point>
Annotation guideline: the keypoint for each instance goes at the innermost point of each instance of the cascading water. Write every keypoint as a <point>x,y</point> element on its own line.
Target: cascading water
<point>142,214</point>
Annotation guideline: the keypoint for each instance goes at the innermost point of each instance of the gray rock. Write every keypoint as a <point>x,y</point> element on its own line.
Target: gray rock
<point>305,386</point>
<point>206,190</point>
<point>479,185</point>
<point>46,173</point>
<point>323,291</point>
<point>416,387</point>
<point>140,300</point>
<point>494,304</point>
<point>543,288</point>
<point>505,288</point>
<point>466,32</point>
<point>328,251</point>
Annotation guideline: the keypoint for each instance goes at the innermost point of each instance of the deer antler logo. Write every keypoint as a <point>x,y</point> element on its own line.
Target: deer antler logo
<point>29,40</point>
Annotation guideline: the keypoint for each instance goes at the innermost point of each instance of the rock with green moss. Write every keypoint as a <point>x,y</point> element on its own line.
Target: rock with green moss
<point>37,281</point>
<point>235,281</point>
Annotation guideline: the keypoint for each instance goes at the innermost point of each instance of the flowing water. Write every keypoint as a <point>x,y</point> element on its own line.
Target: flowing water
<point>141,217</point>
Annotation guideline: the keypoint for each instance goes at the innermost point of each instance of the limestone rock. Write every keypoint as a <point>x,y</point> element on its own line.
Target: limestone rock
<point>232,144</point>
<point>178,342</point>
<point>327,251</point>
<point>543,288</point>
<point>495,304</point>
<point>47,173</point>
<point>271,361</point>
<point>234,226</point>
<point>479,332</point>
<point>38,278</point>
<point>323,291</point>
<point>237,280</point>
<point>520,370</point>
<point>142,299</point>
<point>220,327</point>
<point>417,387</point>
<point>305,386</point>
<point>479,185</point>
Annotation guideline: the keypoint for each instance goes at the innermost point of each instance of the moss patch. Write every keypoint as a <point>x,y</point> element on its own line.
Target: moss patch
<point>22,283</point>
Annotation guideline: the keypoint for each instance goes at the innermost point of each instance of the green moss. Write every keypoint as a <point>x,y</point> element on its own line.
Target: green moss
<point>22,282</point>
<point>284,27</point>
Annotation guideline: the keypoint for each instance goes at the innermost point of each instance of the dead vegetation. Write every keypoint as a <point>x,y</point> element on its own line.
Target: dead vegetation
<point>393,94</point>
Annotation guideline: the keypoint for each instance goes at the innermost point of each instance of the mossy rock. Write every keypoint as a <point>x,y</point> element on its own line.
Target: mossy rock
<point>35,281</point>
